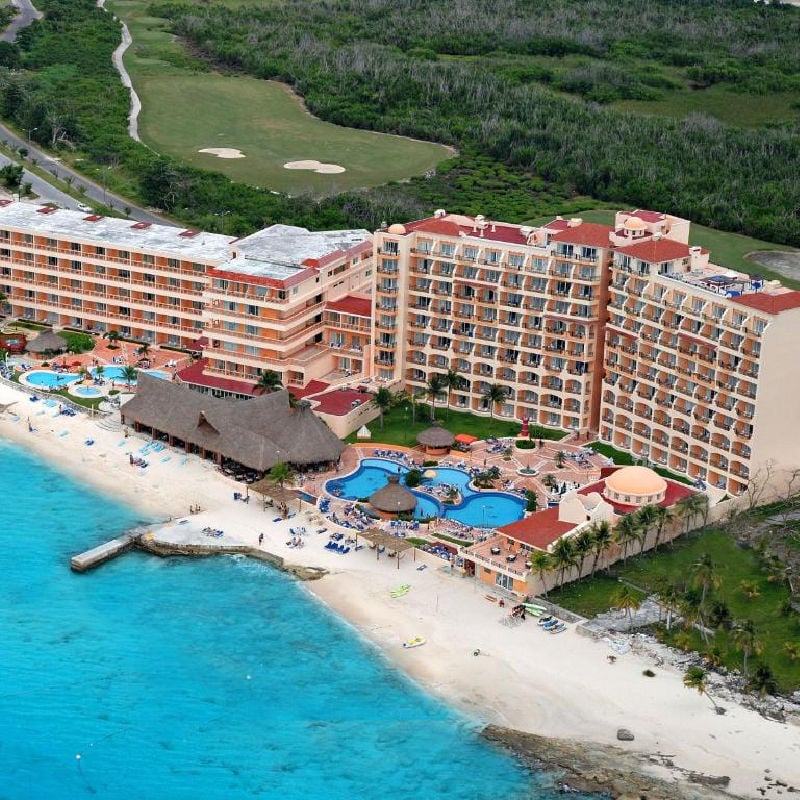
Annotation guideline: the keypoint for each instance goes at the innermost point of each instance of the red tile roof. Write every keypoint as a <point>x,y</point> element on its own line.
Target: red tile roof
<point>538,530</point>
<point>675,491</point>
<point>194,374</point>
<point>339,402</point>
<point>510,234</point>
<point>647,216</point>
<point>588,233</point>
<point>356,306</point>
<point>656,250</point>
<point>312,387</point>
<point>557,225</point>
<point>771,303</point>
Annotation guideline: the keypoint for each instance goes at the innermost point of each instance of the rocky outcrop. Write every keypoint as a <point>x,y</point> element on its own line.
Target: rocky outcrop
<point>165,549</point>
<point>594,768</point>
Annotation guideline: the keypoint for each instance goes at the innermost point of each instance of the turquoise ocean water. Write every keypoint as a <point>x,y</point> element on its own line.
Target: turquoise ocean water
<point>218,678</point>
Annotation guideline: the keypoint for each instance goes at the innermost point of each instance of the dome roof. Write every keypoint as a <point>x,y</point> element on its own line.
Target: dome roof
<point>632,224</point>
<point>435,436</point>
<point>393,497</point>
<point>636,481</point>
<point>397,228</point>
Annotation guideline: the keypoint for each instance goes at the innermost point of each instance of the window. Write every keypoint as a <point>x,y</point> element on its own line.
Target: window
<point>252,311</point>
<point>173,263</point>
<point>148,259</point>
<point>100,251</point>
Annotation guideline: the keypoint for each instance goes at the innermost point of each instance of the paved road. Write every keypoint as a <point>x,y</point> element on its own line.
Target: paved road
<point>46,191</point>
<point>94,191</point>
<point>27,14</point>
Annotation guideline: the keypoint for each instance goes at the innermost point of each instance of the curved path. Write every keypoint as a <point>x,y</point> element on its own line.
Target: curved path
<point>116,57</point>
<point>27,14</point>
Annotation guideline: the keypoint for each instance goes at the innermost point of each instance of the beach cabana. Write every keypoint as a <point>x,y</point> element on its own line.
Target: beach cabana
<point>392,543</point>
<point>47,342</point>
<point>436,440</point>
<point>393,499</point>
<point>465,439</point>
<point>280,494</point>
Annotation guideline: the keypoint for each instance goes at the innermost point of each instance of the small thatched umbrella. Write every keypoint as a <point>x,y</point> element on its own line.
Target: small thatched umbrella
<point>47,342</point>
<point>393,498</point>
<point>436,438</point>
<point>269,488</point>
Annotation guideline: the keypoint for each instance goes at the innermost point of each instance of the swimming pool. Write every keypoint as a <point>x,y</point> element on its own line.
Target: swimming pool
<point>478,509</point>
<point>48,379</point>
<point>86,391</point>
<point>118,374</point>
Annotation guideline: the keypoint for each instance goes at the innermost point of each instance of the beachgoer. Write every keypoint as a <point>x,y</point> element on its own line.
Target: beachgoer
<point>126,432</point>
<point>261,538</point>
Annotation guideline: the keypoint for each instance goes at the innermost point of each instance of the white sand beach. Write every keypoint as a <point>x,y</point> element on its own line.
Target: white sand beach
<point>523,678</point>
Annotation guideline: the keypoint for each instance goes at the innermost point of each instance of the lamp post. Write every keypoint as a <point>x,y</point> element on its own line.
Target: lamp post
<point>29,131</point>
<point>222,215</point>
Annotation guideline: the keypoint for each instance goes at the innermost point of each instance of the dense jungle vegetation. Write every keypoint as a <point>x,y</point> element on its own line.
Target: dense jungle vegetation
<point>526,91</point>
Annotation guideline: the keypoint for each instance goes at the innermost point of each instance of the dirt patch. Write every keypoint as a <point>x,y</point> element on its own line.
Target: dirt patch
<point>784,262</point>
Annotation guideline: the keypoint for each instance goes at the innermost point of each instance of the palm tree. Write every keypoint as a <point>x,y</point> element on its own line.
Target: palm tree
<point>452,380</point>
<point>269,381</point>
<point>692,612</point>
<point>280,473</point>
<point>662,516</point>
<point>541,564</point>
<point>705,576</point>
<point>113,337</point>
<point>745,638</point>
<point>129,374</point>
<point>99,370</point>
<point>144,349</point>
<point>561,459</point>
<point>695,678</point>
<point>493,395</point>
<point>690,506</point>
<point>564,556</point>
<point>626,531</point>
<point>601,534</point>
<point>433,389</point>
<point>584,544</point>
<point>669,598</point>
<point>647,517</point>
<point>383,401</point>
<point>763,681</point>
<point>627,598</point>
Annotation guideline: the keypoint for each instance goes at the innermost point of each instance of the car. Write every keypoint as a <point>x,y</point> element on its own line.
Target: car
<point>86,209</point>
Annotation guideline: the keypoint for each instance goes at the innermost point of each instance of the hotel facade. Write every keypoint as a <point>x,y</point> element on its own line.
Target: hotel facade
<point>625,332</point>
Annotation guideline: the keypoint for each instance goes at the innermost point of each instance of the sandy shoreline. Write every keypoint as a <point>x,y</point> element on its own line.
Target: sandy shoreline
<point>555,686</point>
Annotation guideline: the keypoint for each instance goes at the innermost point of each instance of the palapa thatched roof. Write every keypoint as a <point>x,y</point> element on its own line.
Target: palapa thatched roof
<point>385,539</point>
<point>257,433</point>
<point>393,497</point>
<point>435,436</point>
<point>47,341</point>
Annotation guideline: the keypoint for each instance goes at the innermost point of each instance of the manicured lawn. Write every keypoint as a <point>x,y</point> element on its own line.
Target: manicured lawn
<point>623,459</point>
<point>186,108</point>
<point>398,429</point>
<point>727,249</point>
<point>734,565</point>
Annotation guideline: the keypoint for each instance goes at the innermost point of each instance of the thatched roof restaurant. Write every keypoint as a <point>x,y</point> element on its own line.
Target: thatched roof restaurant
<point>47,342</point>
<point>436,439</point>
<point>257,433</point>
<point>393,498</point>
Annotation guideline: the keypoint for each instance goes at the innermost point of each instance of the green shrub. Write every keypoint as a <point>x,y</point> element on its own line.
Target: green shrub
<point>78,342</point>
<point>413,477</point>
<point>433,463</point>
<point>525,444</point>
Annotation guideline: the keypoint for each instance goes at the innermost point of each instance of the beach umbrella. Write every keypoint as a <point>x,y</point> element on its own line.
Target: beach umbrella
<point>429,473</point>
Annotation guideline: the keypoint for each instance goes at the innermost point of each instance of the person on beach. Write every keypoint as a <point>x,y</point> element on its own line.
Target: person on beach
<point>261,538</point>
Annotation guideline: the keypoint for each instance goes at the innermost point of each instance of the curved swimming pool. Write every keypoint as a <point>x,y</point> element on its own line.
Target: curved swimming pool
<point>48,379</point>
<point>477,509</point>
<point>118,374</point>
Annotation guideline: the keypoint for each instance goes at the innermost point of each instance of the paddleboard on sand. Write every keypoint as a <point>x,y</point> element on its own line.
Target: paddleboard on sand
<point>400,590</point>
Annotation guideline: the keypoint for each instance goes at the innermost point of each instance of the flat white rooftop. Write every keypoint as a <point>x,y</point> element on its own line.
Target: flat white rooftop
<point>121,233</point>
<point>278,252</point>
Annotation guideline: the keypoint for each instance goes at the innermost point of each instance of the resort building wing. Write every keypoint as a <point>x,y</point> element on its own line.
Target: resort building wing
<point>256,433</point>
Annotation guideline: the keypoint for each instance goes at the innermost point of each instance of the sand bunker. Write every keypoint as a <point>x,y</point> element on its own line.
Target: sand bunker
<point>315,166</point>
<point>223,152</point>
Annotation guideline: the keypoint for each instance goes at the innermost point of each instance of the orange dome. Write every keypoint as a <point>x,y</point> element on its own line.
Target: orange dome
<point>634,485</point>
<point>634,224</point>
<point>397,228</point>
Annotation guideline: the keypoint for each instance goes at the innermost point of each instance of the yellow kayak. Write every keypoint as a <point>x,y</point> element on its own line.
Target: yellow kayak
<point>417,641</point>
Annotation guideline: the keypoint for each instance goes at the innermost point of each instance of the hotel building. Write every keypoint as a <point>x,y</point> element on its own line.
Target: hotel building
<point>283,298</point>
<point>626,332</point>
<point>517,306</point>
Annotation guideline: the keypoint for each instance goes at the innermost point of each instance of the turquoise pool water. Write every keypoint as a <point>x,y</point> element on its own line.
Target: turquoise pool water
<point>48,379</point>
<point>118,374</point>
<point>479,509</point>
<point>86,391</point>
<point>214,679</point>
